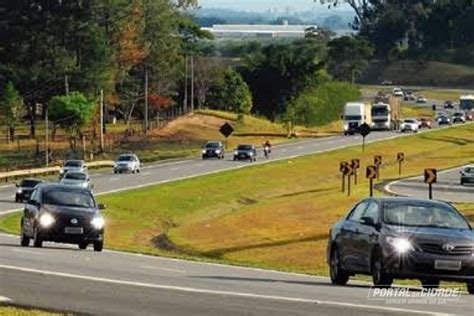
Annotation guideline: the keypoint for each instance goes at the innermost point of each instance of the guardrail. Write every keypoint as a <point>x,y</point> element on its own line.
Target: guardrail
<point>18,174</point>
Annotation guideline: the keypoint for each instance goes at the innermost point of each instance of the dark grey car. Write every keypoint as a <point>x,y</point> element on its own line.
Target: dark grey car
<point>25,187</point>
<point>245,152</point>
<point>402,238</point>
<point>467,175</point>
<point>64,214</point>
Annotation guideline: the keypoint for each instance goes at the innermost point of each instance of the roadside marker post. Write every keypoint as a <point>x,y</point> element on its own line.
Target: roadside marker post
<point>431,176</point>
<point>364,130</point>
<point>400,159</point>
<point>355,164</point>
<point>371,174</point>
<point>349,172</point>
<point>377,163</point>
<point>343,170</point>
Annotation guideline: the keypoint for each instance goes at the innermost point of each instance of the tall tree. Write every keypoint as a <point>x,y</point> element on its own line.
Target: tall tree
<point>11,108</point>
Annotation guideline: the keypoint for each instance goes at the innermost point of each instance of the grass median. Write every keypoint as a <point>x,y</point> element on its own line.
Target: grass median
<point>15,311</point>
<point>275,215</point>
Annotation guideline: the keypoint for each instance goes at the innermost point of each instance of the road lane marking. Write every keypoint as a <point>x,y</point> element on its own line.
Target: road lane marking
<point>114,179</point>
<point>174,169</point>
<point>36,253</point>
<point>146,173</point>
<point>214,292</point>
<point>5,300</point>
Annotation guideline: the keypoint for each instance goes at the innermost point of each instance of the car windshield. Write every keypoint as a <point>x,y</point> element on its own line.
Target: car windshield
<point>58,196</point>
<point>422,214</point>
<point>409,121</point>
<point>379,111</point>
<point>75,176</point>
<point>469,170</point>
<point>73,163</point>
<point>212,145</point>
<point>125,158</point>
<point>29,183</point>
<point>353,117</point>
<point>244,147</point>
<point>458,114</point>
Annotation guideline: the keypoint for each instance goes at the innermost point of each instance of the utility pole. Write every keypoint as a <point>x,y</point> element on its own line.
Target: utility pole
<point>185,104</point>
<point>66,84</point>
<point>192,84</point>
<point>146,101</point>
<point>46,136</point>
<point>101,120</point>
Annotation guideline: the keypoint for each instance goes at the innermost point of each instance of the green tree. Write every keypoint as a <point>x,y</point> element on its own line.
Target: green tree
<point>348,56</point>
<point>12,108</point>
<point>235,93</point>
<point>71,112</point>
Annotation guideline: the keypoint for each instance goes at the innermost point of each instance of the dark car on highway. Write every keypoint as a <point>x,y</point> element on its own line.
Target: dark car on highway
<point>443,120</point>
<point>245,152</point>
<point>448,105</point>
<point>402,238</point>
<point>424,123</point>
<point>24,189</point>
<point>467,175</point>
<point>63,214</point>
<point>213,150</point>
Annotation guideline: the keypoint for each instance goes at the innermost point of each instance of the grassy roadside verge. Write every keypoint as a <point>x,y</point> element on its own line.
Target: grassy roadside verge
<point>15,311</point>
<point>275,215</point>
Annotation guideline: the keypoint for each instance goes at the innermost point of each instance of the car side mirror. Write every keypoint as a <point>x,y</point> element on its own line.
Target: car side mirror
<point>369,221</point>
<point>102,206</point>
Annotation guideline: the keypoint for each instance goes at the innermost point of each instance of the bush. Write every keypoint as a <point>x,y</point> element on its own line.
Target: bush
<point>321,105</point>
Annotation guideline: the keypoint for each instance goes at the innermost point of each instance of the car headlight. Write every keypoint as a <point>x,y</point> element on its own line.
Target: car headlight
<point>98,222</point>
<point>218,151</point>
<point>346,127</point>
<point>250,154</point>
<point>236,152</point>
<point>61,171</point>
<point>46,220</point>
<point>401,245</point>
<point>203,151</point>
<point>20,191</point>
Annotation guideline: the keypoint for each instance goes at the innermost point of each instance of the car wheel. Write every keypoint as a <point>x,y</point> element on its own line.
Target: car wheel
<point>115,171</point>
<point>138,170</point>
<point>235,159</point>
<point>379,277</point>
<point>17,199</point>
<point>470,287</point>
<point>338,275</point>
<point>430,283</point>
<point>98,245</point>
<point>83,245</point>
<point>203,158</point>
<point>38,242</point>
<point>25,240</point>
<point>462,182</point>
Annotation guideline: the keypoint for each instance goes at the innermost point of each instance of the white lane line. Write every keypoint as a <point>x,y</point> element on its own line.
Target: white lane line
<point>160,268</point>
<point>5,300</point>
<point>146,173</point>
<point>213,292</point>
<point>300,147</point>
<point>114,179</point>
<point>174,169</point>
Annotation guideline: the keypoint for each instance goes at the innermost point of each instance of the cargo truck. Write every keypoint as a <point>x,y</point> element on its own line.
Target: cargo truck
<point>355,114</point>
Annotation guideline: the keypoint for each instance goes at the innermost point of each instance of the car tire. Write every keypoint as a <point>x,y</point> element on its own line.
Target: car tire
<point>83,245</point>
<point>37,241</point>
<point>470,287</point>
<point>17,199</point>
<point>379,277</point>
<point>462,182</point>
<point>25,240</point>
<point>115,171</point>
<point>98,245</point>
<point>337,274</point>
<point>138,170</point>
<point>430,283</point>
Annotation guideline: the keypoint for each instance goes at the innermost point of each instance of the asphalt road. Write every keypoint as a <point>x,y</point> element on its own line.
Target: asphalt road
<point>125,284</point>
<point>448,187</point>
<point>64,278</point>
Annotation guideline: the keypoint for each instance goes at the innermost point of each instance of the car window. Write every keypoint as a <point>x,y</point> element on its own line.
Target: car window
<point>126,158</point>
<point>73,163</point>
<point>29,183</point>
<point>213,145</point>
<point>356,213</point>
<point>75,176</point>
<point>56,196</point>
<point>372,211</point>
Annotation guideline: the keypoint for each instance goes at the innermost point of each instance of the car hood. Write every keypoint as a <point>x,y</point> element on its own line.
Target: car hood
<point>432,234</point>
<point>244,151</point>
<point>70,210</point>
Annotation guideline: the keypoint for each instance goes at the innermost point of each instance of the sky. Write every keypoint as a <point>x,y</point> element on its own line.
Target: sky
<point>265,5</point>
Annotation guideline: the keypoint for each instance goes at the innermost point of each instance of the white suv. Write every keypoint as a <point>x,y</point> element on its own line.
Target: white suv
<point>410,125</point>
<point>127,163</point>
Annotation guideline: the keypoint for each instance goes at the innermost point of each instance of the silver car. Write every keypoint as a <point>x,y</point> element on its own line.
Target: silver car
<point>73,165</point>
<point>127,163</point>
<point>467,175</point>
<point>77,179</point>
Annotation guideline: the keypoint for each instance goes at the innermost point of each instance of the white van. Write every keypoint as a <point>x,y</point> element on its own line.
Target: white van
<point>353,117</point>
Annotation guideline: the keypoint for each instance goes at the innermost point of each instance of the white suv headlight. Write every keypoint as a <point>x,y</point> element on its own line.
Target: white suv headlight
<point>401,245</point>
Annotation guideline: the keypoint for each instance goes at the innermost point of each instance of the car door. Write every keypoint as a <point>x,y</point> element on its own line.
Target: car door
<point>31,212</point>
<point>367,236</point>
<point>347,243</point>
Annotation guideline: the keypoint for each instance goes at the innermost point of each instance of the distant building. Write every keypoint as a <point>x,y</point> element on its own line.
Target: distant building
<point>261,30</point>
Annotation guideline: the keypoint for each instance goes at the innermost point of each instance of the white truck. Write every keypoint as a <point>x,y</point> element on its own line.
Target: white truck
<point>355,114</point>
<point>381,116</point>
<point>466,103</point>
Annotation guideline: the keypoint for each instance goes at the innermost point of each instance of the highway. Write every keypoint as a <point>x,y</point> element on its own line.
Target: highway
<point>447,188</point>
<point>63,278</point>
